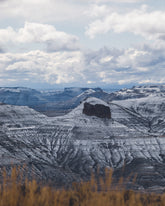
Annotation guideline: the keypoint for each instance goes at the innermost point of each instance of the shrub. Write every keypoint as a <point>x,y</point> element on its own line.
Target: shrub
<point>17,191</point>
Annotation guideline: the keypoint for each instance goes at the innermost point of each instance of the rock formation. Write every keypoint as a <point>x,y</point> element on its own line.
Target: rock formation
<point>97,110</point>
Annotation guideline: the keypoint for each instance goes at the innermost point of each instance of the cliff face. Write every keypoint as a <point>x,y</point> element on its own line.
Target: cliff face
<point>97,110</point>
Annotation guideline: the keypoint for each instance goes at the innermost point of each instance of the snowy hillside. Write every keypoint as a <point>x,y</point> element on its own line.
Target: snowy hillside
<point>65,149</point>
<point>138,92</point>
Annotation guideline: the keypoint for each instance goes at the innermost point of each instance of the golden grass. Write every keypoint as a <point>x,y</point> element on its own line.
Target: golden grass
<point>14,191</point>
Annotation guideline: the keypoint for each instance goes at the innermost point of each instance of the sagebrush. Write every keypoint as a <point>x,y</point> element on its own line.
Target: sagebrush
<point>16,191</point>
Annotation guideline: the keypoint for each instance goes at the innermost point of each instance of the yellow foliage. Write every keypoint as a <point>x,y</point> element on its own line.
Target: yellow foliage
<point>16,192</point>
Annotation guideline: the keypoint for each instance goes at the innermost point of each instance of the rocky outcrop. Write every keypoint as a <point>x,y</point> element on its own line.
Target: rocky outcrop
<point>97,110</point>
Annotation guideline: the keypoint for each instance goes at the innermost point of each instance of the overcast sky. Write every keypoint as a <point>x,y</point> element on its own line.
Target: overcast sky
<point>58,43</point>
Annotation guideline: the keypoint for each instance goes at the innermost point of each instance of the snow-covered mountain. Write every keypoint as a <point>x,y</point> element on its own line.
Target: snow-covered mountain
<point>21,96</point>
<point>66,148</point>
<point>54,108</point>
<point>138,92</point>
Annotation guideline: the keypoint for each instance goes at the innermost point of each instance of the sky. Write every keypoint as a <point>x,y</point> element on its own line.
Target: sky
<point>82,43</point>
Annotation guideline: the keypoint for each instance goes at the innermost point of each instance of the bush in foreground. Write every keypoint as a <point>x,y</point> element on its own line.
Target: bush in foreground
<point>14,191</point>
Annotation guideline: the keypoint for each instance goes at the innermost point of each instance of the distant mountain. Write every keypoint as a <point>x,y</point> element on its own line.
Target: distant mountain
<point>55,103</point>
<point>68,93</point>
<point>21,96</point>
<point>62,107</point>
<point>138,92</point>
<point>43,101</point>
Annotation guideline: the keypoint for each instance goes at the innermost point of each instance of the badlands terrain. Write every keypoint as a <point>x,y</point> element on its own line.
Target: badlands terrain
<point>62,136</point>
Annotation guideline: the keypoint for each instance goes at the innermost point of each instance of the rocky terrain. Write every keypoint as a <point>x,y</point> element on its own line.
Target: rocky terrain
<point>130,133</point>
<point>51,102</point>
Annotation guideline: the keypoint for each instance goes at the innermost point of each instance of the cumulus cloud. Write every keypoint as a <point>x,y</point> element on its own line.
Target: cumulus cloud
<point>96,10</point>
<point>116,1</point>
<point>53,68</point>
<point>129,66</point>
<point>105,66</point>
<point>41,10</point>
<point>150,25</point>
<point>44,11</point>
<point>38,52</point>
<point>1,50</point>
<point>40,34</point>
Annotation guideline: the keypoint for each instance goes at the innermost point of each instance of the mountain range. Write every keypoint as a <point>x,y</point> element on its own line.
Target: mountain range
<point>123,130</point>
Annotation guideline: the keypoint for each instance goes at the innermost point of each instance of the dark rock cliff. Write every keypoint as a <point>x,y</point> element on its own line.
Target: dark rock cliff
<point>97,110</point>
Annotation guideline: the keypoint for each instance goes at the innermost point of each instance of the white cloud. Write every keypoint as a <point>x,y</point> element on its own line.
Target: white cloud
<point>48,11</point>
<point>150,25</point>
<point>127,66</point>
<point>42,53</point>
<point>96,10</point>
<point>116,1</point>
<point>41,10</point>
<point>41,34</point>
<point>93,67</point>
<point>52,68</point>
